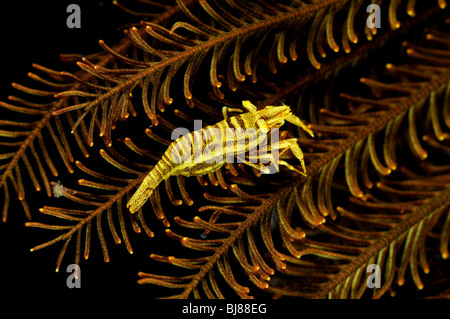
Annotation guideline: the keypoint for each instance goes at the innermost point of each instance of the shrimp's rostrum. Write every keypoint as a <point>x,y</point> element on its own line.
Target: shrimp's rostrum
<point>259,120</point>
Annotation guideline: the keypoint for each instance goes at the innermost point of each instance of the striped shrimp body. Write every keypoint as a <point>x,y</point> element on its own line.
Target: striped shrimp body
<point>207,150</point>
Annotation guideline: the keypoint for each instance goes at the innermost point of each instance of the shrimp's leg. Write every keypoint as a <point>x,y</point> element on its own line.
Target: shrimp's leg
<point>227,109</point>
<point>296,150</point>
<point>260,167</point>
<point>282,147</point>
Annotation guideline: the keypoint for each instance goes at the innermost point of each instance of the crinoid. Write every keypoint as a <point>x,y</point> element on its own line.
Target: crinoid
<point>370,214</point>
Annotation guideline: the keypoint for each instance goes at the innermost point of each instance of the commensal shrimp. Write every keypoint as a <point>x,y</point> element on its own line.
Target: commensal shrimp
<point>205,151</point>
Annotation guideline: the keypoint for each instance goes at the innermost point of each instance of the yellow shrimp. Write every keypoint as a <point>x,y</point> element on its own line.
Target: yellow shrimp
<point>205,151</point>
